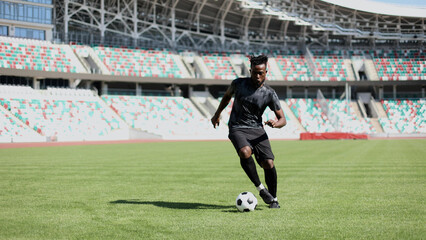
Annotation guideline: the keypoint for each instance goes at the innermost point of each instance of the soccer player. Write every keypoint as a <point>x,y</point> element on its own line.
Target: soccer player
<point>246,131</point>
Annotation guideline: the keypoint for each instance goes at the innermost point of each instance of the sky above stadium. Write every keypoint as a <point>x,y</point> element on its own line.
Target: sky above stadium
<point>409,8</point>
<point>419,3</point>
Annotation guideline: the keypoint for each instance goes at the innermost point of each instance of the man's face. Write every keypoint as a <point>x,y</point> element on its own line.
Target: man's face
<point>258,74</point>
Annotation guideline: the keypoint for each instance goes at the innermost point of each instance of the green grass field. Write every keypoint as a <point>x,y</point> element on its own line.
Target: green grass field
<point>186,190</point>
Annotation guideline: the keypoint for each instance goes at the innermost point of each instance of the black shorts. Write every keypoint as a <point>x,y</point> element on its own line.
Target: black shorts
<point>255,138</point>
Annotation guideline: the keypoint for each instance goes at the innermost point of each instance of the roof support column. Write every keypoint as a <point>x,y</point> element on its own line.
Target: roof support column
<point>135,23</point>
<point>222,34</point>
<point>246,28</point>
<point>265,30</point>
<point>66,19</point>
<point>173,40</point>
<point>222,24</point>
<point>102,26</point>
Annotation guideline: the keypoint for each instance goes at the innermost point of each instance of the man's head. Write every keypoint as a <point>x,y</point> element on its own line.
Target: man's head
<point>258,69</point>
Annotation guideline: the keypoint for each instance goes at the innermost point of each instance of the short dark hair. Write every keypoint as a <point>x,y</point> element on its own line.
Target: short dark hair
<point>258,60</point>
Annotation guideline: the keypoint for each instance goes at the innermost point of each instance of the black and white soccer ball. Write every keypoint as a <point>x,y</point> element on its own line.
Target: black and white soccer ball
<point>246,202</point>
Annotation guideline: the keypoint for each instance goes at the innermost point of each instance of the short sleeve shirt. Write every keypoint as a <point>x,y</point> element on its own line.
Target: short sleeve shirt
<point>250,102</point>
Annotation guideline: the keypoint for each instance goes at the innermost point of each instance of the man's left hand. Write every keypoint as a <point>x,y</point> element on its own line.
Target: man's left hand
<point>271,123</point>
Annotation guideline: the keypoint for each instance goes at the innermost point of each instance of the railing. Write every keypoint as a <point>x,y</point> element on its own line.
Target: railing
<point>310,62</point>
<point>132,92</point>
<point>332,117</point>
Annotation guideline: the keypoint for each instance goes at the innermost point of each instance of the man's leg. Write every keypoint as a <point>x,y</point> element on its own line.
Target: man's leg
<point>240,140</point>
<point>249,166</point>
<point>271,180</point>
<point>270,176</point>
<point>265,157</point>
<point>247,163</point>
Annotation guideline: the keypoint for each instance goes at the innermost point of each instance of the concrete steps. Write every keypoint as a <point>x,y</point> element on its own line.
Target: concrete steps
<point>355,107</point>
<point>376,124</point>
<point>274,70</point>
<point>380,110</point>
<point>349,70</point>
<point>181,66</point>
<point>202,68</point>
<point>370,70</point>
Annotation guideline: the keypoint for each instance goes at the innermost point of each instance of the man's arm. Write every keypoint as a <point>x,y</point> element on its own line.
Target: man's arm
<point>223,103</point>
<point>280,122</point>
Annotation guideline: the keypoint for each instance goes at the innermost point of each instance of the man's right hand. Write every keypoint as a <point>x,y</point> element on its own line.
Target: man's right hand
<point>222,105</point>
<point>215,120</point>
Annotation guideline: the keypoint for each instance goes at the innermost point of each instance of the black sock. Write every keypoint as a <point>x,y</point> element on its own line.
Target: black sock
<point>271,180</point>
<point>250,168</point>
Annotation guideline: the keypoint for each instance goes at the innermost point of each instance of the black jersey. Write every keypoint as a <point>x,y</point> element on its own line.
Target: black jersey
<point>250,102</point>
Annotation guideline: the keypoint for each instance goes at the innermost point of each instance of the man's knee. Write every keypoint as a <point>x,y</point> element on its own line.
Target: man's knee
<point>268,164</point>
<point>245,152</point>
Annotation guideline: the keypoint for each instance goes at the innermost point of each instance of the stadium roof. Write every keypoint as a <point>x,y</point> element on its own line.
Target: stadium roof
<point>381,8</point>
<point>240,24</point>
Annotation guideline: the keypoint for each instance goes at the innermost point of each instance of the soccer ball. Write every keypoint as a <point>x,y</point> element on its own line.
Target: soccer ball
<point>246,202</point>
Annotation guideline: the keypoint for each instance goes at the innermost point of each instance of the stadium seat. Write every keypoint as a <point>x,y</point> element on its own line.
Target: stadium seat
<point>310,115</point>
<point>169,117</point>
<point>219,65</point>
<point>400,65</point>
<point>35,55</point>
<point>293,66</point>
<point>404,116</point>
<point>314,119</point>
<point>66,114</point>
<point>139,62</point>
<point>329,66</point>
<point>13,130</point>
<point>348,122</point>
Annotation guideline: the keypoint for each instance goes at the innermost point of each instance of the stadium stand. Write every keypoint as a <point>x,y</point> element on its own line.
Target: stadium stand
<point>169,117</point>
<point>348,122</point>
<point>293,66</point>
<point>141,62</point>
<point>13,130</point>
<point>388,126</point>
<point>63,114</point>
<point>335,118</point>
<point>310,115</point>
<point>219,65</point>
<point>393,65</point>
<point>329,66</point>
<point>404,116</point>
<point>59,114</point>
<point>37,55</point>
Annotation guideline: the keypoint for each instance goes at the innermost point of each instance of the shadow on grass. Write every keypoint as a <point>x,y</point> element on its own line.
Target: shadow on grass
<point>175,205</point>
